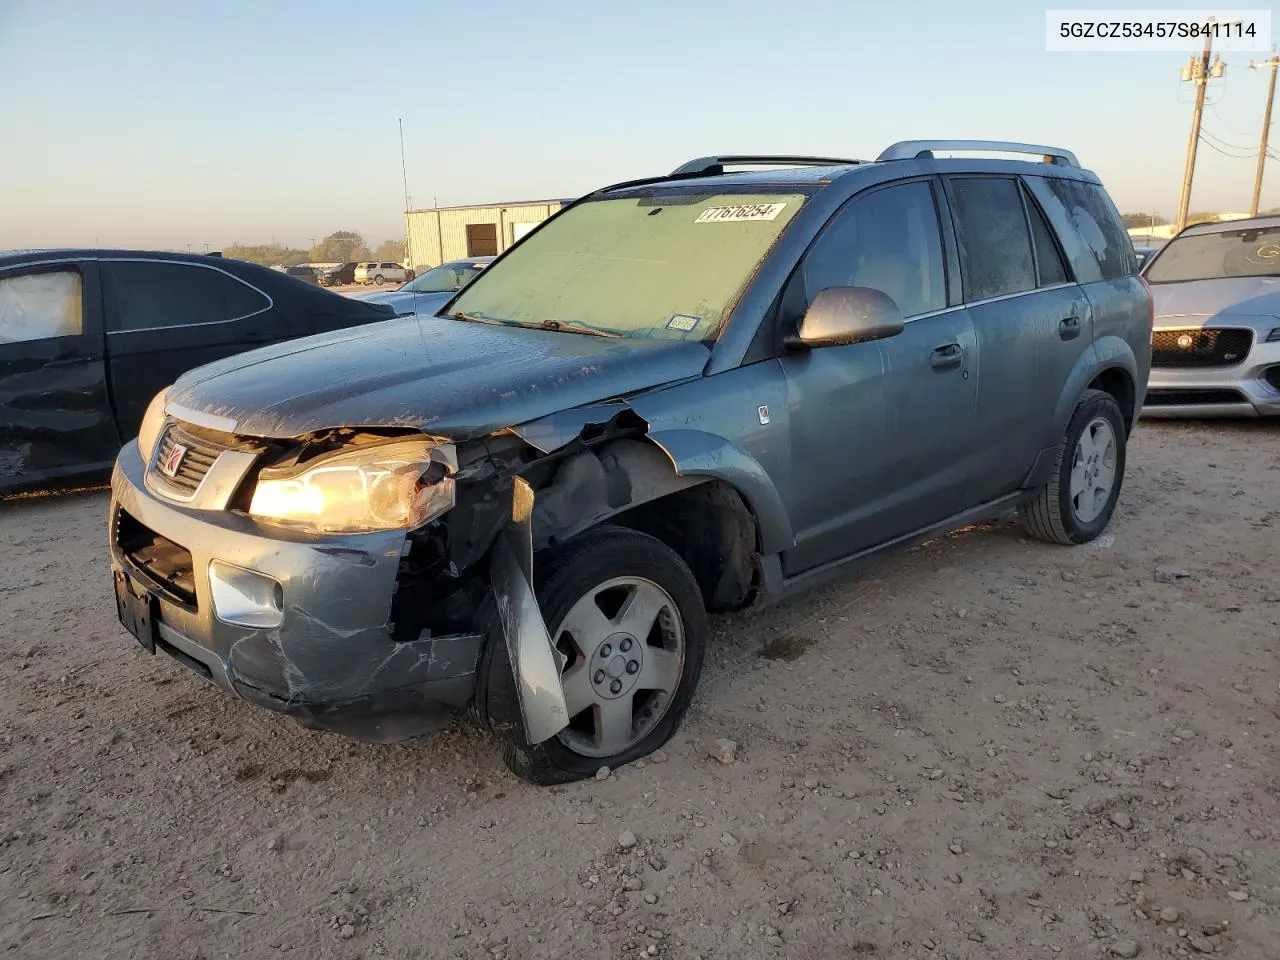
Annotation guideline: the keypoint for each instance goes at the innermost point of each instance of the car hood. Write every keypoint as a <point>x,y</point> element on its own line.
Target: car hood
<point>449,378</point>
<point>1241,301</point>
<point>406,301</point>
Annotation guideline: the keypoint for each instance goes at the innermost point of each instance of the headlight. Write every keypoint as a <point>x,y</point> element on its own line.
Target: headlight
<point>152,425</point>
<point>1273,336</point>
<point>391,486</point>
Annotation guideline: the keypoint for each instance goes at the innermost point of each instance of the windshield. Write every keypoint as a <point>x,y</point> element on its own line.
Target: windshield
<point>669,266</point>
<point>1251,252</point>
<point>445,278</point>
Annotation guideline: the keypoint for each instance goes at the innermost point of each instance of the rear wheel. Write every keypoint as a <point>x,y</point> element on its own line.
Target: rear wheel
<point>626,615</point>
<point>1077,503</point>
<point>378,279</point>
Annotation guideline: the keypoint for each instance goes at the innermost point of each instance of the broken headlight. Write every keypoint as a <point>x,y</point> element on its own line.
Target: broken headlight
<point>390,486</point>
<point>152,426</point>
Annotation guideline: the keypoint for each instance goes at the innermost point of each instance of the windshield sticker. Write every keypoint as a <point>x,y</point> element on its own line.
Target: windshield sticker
<point>743,211</point>
<point>683,323</point>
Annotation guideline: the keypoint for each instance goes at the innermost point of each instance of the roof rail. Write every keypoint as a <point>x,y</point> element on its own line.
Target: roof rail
<point>923,150</point>
<point>714,166</point>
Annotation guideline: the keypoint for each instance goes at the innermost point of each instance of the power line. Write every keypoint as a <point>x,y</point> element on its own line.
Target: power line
<point>1212,146</point>
<point>1229,146</point>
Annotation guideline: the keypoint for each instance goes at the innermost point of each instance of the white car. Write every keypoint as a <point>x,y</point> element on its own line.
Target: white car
<point>381,272</point>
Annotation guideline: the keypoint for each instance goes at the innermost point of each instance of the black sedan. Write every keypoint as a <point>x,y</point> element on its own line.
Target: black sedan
<point>87,337</point>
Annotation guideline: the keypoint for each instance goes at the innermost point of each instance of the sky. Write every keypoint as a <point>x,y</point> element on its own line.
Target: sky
<point>168,123</point>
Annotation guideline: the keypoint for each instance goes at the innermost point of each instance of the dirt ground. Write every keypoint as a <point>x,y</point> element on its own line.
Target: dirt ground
<point>985,747</point>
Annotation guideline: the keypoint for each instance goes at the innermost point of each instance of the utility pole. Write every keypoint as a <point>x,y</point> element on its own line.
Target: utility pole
<point>1266,128</point>
<point>1200,72</point>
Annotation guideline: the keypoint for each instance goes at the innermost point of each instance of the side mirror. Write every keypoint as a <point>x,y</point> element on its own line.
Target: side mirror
<point>842,315</point>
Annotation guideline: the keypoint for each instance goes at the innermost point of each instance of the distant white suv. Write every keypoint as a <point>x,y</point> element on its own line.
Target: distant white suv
<point>381,272</point>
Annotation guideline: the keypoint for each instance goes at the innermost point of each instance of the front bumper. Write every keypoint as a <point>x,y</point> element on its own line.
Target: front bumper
<point>1248,389</point>
<point>331,662</point>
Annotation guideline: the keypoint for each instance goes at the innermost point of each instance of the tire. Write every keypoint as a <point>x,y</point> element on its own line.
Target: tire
<point>568,578</point>
<point>1067,514</point>
<point>378,280</point>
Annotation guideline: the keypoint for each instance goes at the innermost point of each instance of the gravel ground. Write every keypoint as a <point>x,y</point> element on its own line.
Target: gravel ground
<point>985,747</point>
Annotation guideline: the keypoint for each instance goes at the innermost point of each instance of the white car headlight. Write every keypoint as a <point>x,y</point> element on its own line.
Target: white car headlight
<point>390,486</point>
<point>152,426</point>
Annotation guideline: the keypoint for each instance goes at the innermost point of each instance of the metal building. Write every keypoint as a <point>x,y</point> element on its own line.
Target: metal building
<point>441,234</point>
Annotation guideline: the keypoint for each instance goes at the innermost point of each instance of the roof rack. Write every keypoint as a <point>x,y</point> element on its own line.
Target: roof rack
<point>923,150</point>
<point>714,166</point>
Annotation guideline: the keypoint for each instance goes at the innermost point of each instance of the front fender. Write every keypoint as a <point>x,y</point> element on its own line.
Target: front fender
<point>697,453</point>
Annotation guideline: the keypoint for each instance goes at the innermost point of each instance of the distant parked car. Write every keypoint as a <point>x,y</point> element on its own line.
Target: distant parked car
<point>87,338</point>
<point>428,292</point>
<point>381,272</point>
<point>1144,254</point>
<point>307,274</point>
<point>1216,335</point>
<point>339,276</point>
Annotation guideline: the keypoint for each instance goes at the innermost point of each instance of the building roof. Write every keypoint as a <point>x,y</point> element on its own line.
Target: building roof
<point>490,206</point>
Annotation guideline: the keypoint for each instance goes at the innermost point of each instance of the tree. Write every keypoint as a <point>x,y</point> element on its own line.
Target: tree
<point>1139,220</point>
<point>340,246</point>
<point>1203,217</point>
<point>266,254</point>
<point>390,250</point>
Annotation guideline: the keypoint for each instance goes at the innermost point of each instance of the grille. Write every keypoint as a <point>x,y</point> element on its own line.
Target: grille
<point>1200,348</point>
<point>1177,398</point>
<point>166,564</point>
<point>195,463</point>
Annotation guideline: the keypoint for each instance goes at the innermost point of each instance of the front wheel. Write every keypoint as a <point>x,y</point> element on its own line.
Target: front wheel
<point>627,618</point>
<point>1077,503</point>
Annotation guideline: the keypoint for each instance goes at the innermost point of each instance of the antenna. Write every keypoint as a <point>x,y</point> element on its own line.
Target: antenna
<point>404,171</point>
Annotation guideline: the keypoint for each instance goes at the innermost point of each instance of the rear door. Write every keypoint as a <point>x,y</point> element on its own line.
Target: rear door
<point>1032,321</point>
<point>55,411</point>
<point>165,317</point>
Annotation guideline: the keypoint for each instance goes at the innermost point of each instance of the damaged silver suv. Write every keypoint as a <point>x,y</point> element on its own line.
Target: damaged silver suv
<point>678,395</point>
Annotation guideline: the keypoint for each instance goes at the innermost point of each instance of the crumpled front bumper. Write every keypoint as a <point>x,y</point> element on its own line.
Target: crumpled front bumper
<point>331,662</point>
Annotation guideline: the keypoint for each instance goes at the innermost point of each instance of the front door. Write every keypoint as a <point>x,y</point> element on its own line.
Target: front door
<point>881,432</point>
<point>55,409</point>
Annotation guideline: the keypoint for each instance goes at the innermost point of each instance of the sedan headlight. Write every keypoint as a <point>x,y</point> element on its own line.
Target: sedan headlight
<point>152,425</point>
<point>1273,336</point>
<point>391,486</point>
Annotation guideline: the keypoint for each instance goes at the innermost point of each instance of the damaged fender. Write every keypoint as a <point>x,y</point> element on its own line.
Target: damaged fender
<point>534,661</point>
<point>697,453</point>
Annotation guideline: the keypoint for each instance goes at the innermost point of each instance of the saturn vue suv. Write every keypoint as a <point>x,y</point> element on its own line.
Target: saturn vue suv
<point>677,396</point>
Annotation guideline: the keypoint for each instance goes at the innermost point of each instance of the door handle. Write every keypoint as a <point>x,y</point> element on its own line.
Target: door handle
<point>946,356</point>
<point>1069,328</point>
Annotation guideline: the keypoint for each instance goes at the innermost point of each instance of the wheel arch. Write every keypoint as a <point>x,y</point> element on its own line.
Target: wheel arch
<point>634,482</point>
<point>1108,365</point>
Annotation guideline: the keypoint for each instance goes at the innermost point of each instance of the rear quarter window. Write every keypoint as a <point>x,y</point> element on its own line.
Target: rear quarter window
<point>1098,224</point>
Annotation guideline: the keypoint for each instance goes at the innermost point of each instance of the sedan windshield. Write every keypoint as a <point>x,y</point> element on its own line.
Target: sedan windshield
<point>445,278</point>
<point>669,266</point>
<point>1250,252</point>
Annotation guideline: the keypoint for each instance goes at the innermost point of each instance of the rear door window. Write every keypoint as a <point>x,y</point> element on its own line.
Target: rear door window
<point>41,306</point>
<point>889,240</point>
<point>992,233</point>
<point>150,295</point>
<point>1051,268</point>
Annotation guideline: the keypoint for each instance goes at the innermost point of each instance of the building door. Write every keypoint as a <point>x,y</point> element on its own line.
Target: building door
<point>482,239</point>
